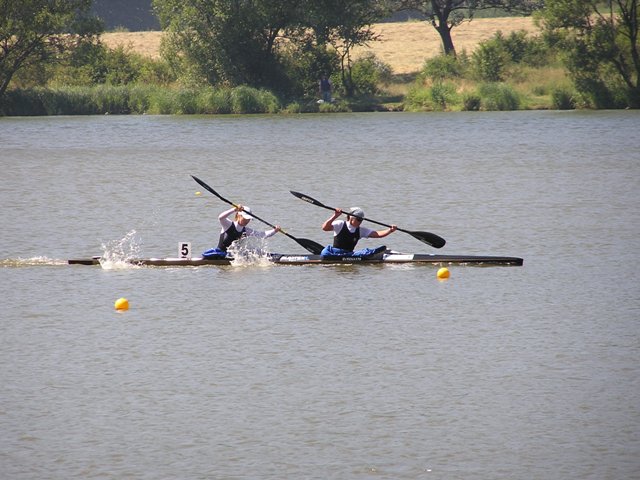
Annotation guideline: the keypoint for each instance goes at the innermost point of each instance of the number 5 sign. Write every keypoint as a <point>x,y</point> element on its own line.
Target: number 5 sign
<point>184,250</point>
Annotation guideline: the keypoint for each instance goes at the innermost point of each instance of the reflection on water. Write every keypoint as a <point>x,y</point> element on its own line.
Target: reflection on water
<point>321,371</point>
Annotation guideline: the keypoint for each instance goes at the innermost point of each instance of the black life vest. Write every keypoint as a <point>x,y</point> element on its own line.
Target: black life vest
<point>229,236</point>
<point>345,239</point>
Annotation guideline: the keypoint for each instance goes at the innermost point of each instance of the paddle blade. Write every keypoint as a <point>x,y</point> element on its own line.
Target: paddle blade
<point>211,190</point>
<point>310,245</point>
<point>429,238</point>
<point>308,199</point>
<point>201,183</point>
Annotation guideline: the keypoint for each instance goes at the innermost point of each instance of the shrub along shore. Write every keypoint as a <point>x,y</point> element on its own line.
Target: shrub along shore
<point>514,72</point>
<point>142,99</point>
<point>138,99</point>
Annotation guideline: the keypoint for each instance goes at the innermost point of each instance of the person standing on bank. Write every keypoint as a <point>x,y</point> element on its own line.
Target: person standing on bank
<point>236,229</point>
<point>325,89</point>
<point>346,234</point>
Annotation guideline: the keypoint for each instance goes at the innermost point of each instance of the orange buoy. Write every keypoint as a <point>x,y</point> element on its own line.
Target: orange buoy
<point>122,304</point>
<point>443,273</point>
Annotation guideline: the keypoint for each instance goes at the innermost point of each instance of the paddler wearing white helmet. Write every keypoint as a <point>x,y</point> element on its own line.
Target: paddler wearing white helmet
<point>233,230</point>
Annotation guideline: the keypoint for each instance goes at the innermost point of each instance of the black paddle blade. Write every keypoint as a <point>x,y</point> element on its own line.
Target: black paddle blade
<point>310,245</point>
<point>211,190</point>
<point>429,238</point>
<point>201,183</point>
<point>309,199</point>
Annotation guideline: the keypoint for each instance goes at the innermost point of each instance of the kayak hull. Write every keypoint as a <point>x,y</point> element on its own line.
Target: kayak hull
<point>296,259</point>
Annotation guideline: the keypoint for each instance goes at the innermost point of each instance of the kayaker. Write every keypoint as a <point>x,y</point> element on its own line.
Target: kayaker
<point>346,234</point>
<point>236,229</point>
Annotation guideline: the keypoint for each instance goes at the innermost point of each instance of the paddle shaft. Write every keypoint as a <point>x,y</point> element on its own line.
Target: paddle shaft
<point>363,218</point>
<point>425,237</point>
<point>310,245</point>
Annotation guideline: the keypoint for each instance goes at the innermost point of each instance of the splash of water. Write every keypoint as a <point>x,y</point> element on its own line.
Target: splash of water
<point>118,254</point>
<point>249,251</point>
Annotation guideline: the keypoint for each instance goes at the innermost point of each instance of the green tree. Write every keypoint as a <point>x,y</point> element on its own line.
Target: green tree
<point>601,45</point>
<point>444,15</point>
<point>343,25</point>
<point>227,42</point>
<point>305,63</point>
<point>490,60</point>
<point>240,42</point>
<point>33,31</point>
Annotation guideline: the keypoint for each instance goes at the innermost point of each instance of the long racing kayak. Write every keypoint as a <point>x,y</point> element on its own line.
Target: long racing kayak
<point>302,259</point>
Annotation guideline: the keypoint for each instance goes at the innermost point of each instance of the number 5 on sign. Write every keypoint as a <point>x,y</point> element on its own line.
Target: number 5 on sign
<point>184,250</point>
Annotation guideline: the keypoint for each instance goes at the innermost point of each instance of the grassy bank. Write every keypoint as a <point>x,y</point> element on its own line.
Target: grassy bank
<point>138,99</point>
<point>542,88</point>
<point>401,95</point>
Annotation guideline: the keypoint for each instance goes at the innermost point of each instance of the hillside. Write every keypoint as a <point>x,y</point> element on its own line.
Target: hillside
<point>403,45</point>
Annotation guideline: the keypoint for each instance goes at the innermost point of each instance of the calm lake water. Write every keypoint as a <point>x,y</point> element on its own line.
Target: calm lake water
<point>322,372</point>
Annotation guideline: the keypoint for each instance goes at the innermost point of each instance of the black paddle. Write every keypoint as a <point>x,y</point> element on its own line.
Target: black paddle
<point>309,245</point>
<point>425,237</point>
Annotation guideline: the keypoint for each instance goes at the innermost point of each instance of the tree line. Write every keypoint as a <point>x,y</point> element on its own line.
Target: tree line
<point>285,46</point>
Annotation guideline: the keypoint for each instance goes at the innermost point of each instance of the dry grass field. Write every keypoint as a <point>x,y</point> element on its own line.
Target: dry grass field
<point>404,46</point>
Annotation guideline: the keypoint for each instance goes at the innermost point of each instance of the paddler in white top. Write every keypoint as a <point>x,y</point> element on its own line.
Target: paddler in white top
<point>236,229</point>
<point>347,233</point>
